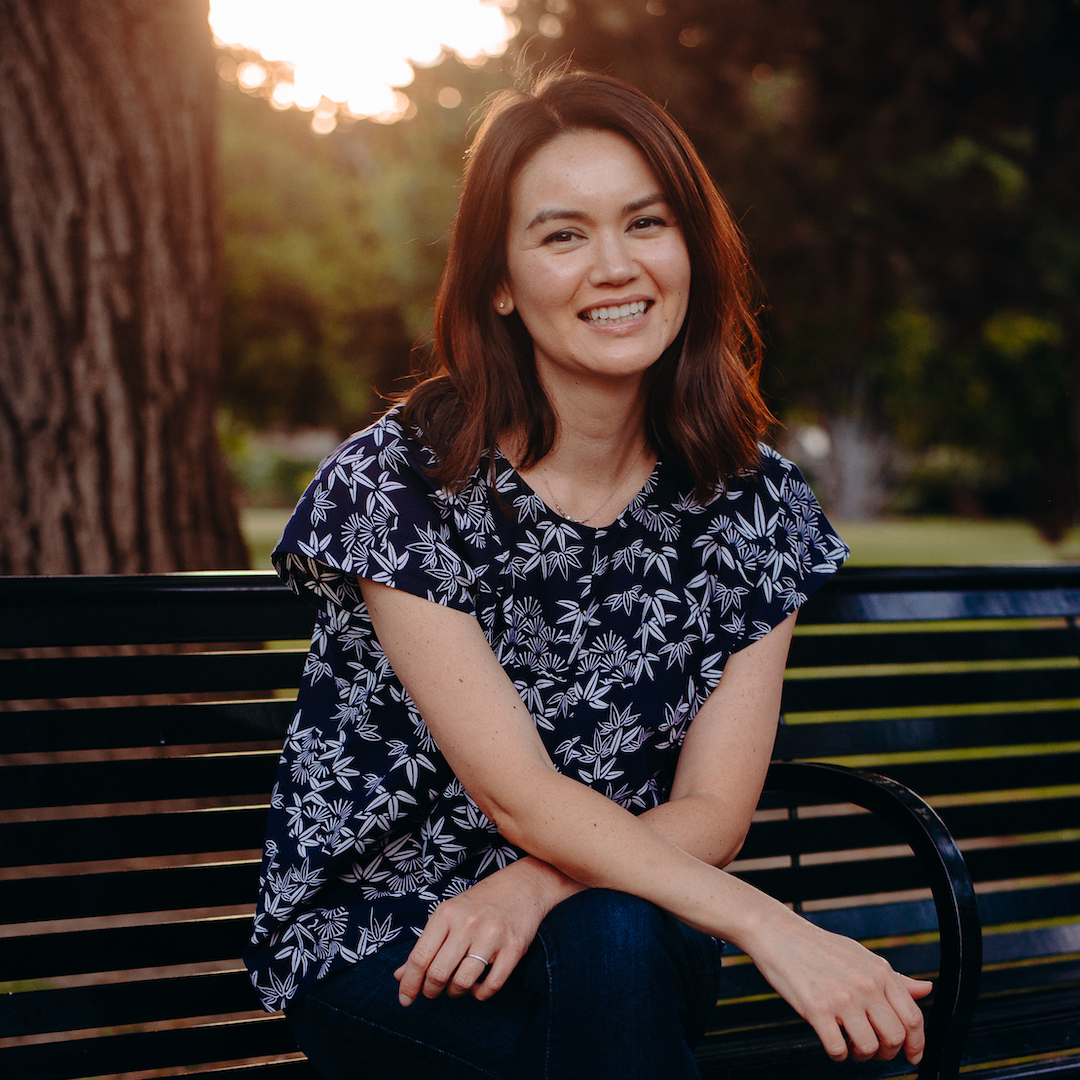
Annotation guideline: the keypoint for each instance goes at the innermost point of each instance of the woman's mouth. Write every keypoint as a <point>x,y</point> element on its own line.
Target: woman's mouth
<point>611,314</point>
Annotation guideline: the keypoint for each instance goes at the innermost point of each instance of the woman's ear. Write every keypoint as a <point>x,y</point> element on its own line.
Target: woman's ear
<point>503,301</point>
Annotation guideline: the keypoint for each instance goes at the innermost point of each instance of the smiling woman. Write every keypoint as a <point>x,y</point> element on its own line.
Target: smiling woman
<point>556,589</point>
<point>597,267</point>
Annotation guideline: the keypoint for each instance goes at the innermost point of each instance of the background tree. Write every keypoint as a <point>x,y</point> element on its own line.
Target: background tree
<point>333,248</point>
<point>906,175</point>
<point>109,290</point>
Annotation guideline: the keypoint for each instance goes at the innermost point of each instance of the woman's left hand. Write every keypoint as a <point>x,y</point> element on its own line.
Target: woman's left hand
<point>495,921</point>
<point>853,999</point>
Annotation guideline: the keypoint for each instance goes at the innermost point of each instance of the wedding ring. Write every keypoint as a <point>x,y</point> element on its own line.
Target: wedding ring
<point>480,958</point>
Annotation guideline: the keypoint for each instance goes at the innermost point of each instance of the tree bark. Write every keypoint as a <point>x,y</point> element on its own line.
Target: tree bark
<point>109,293</point>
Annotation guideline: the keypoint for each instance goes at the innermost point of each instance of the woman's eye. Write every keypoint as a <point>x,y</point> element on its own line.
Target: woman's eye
<point>563,236</point>
<point>646,223</point>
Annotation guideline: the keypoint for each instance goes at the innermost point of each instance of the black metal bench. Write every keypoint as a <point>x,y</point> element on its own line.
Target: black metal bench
<point>130,821</point>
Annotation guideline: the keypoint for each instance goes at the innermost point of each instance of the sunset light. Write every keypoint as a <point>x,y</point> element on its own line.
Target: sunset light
<point>353,57</point>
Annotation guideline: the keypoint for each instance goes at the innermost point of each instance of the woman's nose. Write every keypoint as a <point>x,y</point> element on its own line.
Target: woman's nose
<point>613,263</point>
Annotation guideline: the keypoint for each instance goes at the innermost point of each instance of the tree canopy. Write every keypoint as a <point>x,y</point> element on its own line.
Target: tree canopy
<point>906,176</point>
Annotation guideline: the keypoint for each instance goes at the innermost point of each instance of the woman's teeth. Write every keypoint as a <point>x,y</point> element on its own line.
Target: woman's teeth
<point>616,312</point>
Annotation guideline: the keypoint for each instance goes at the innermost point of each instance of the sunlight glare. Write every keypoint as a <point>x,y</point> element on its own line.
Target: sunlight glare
<point>357,53</point>
<point>251,75</point>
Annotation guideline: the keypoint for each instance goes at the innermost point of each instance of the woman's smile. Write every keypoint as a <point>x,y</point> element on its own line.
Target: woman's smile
<point>597,267</point>
<point>615,314</point>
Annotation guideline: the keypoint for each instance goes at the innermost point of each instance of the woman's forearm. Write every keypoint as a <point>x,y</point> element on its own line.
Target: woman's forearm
<point>594,841</point>
<point>700,825</point>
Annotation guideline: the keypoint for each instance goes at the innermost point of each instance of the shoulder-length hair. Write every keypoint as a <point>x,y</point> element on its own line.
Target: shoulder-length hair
<point>703,405</point>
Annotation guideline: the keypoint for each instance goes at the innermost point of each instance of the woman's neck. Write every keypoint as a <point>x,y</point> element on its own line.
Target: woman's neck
<point>599,462</point>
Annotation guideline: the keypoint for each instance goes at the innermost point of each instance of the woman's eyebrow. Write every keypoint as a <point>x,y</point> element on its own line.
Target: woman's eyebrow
<point>642,203</point>
<point>554,212</point>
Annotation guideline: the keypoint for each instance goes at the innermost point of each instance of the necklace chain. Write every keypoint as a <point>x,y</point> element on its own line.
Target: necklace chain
<point>610,495</point>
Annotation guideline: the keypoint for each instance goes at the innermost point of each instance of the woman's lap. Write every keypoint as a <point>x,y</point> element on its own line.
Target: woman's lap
<point>612,986</point>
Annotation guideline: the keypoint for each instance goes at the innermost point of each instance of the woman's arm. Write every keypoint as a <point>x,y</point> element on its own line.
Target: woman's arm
<point>726,753</point>
<point>488,737</point>
<point>717,784</point>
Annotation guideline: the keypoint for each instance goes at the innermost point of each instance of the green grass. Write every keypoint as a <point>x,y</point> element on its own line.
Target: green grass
<point>951,542</point>
<point>261,530</point>
<point>891,542</point>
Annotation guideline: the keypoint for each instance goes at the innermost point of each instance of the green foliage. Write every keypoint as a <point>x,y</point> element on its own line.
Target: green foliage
<point>333,249</point>
<point>906,175</point>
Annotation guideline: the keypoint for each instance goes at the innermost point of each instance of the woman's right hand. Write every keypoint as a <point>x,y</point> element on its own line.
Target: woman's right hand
<point>496,920</point>
<point>853,998</point>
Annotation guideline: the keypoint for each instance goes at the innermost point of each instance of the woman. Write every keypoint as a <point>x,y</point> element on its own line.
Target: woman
<point>515,769</point>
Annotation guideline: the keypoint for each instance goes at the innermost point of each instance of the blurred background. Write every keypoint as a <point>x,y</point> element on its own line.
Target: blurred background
<point>906,175</point>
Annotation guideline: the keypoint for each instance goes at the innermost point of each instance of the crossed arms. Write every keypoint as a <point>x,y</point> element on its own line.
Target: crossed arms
<point>576,838</point>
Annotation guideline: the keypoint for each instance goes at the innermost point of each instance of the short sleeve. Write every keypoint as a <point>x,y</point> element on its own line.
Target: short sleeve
<point>372,512</point>
<point>791,547</point>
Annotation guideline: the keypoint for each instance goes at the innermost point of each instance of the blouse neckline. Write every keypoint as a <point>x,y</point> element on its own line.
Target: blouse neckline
<point>596,531</point>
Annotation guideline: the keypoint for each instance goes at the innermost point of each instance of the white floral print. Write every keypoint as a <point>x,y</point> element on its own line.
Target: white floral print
<point>613,637</point>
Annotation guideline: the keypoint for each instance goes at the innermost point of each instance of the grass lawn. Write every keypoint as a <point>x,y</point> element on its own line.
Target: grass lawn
<point>892,542</point>
<point>951,542</point>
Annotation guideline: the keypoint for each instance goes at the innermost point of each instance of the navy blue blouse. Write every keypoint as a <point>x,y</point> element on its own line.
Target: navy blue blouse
<point>613,637</point>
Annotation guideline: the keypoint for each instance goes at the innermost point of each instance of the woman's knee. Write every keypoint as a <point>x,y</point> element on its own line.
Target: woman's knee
<point>613,935</point>
<point>352,1025</point>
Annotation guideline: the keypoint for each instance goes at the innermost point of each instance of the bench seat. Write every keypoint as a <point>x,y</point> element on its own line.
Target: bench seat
<point>145,716</point>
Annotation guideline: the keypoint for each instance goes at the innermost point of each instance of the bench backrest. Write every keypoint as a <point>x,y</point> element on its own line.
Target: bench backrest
<point>130,834</point>
<point>130,824</point>
<point>963,684</point>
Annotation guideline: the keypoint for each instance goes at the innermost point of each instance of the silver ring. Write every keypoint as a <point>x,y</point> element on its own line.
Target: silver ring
<point>480,958</point>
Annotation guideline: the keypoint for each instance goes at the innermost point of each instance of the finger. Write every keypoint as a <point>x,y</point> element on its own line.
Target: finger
<point>442,967</point>
<point>468,974</point>
<point>890,1029</point>
<point>412,974</point>
<point>861,1036</point>
<point>831,1035</point>
<point>900,995</point>
<point>502,964</point>
<point>917,988</point>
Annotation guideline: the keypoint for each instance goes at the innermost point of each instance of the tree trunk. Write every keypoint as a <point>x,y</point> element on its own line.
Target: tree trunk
<point>109,236</point>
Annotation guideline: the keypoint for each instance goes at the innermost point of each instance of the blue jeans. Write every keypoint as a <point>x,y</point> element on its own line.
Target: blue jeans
<point>612,987</point>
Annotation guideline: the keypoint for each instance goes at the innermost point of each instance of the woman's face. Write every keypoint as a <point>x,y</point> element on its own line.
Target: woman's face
<point>597,266</point>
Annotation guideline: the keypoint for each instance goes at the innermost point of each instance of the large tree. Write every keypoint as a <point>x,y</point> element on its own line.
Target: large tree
<point>109,290</point>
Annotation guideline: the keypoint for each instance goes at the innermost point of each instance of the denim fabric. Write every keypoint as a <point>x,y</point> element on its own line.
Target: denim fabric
<point>612,987</point>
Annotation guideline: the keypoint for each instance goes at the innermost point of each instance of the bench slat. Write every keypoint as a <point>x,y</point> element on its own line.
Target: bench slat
<point>166,673</point>
<point>150,609</point>
<point>962,776</point>
<point>847,832</point>
<point>832,739</point>
<point>123,948</point>
<point>119,1004</point>
<point>120,893</point>
<point>55,730</point>
<point>921,594</point>
<point>29,843</point>
<point>826,650</point>
<point>147,1050</point>
<point>138,780</point>
<point>918,690</point>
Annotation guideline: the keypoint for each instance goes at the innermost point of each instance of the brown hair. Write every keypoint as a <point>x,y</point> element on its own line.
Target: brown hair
<point>704,409</point>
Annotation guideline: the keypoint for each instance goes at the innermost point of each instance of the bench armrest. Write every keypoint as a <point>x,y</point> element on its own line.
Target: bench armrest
<point>959,927</point>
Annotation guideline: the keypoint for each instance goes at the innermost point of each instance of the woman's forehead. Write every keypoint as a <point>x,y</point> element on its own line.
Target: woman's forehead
<point>579,171</point>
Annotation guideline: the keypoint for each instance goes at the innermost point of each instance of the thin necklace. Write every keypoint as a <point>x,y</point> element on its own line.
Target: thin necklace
<point>610,495</point>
